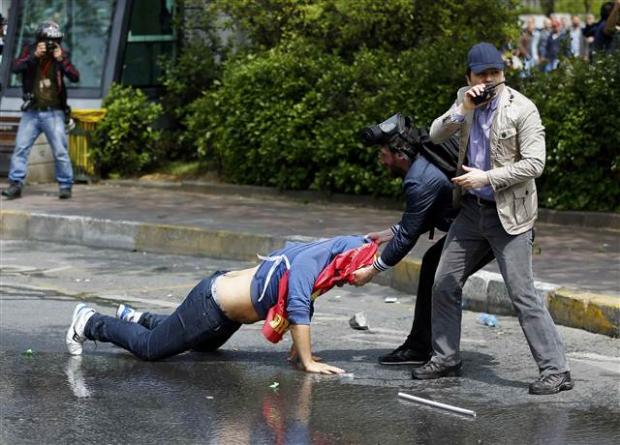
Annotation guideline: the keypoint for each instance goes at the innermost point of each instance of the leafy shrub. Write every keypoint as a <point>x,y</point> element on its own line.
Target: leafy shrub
<point>194,69</point>
<point>579,106</point>
<point>125,140</point>
<point>288,110</point>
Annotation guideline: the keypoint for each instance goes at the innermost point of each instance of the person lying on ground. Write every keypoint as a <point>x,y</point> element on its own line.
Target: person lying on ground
<point>280,290</point>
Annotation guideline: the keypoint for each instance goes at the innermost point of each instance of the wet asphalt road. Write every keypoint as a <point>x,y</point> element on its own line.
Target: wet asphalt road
<point>108,396</point>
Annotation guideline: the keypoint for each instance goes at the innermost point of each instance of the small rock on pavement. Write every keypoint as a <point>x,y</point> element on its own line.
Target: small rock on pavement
<point>359,321</point>
<point>390,300</point>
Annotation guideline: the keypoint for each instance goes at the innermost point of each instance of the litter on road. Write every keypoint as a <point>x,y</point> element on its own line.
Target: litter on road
<point>452,408</point>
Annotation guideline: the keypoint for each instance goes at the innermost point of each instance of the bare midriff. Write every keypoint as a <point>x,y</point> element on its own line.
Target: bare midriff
<point>234,297</point>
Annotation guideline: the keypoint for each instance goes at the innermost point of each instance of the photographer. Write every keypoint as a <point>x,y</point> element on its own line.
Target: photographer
<point>426,167</point>
<point>43,66</point>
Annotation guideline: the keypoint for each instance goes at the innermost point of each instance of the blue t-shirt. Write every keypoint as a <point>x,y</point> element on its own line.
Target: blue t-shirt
<point>306,261</point>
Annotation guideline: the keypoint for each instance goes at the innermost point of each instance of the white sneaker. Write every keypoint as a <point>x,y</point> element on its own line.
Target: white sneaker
<point>127,313</point>
<point>75,334</point>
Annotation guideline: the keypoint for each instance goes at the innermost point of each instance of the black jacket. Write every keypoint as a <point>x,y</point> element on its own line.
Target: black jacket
<point>26,65</point>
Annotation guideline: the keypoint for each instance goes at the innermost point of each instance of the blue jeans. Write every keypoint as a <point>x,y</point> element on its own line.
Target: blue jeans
<point>32,124</point>
<point>198,323</point>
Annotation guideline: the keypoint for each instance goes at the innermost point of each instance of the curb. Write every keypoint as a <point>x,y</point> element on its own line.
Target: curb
<point>484,291</point>
<point>599,220</point>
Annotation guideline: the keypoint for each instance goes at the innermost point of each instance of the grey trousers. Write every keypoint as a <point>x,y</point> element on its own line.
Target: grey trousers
<point>475,232</point>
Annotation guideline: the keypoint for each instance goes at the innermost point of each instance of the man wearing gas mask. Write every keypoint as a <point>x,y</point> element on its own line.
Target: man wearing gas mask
<point>426,169</point>
<point>43,66</point>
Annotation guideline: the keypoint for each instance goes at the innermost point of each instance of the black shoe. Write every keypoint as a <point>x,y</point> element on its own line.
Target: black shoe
<point>434,370</point>
<point>64,193</point>
<point>552,384</point>
<point>14,191</point>
<point>404,356</point>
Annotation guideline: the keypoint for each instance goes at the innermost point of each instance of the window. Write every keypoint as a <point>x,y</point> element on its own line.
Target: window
<point>150,36</point>
<point>86,25</point>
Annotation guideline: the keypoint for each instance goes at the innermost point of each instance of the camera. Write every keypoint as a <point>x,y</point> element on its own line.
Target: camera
<point>28,99</point>
<point>50,46</point>
<point>399,135</point>
<point>487,93</point>
<point>387,131</point>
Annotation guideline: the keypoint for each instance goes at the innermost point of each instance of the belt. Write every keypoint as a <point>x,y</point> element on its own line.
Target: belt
<point>46,109</point>
<point>482,202</point>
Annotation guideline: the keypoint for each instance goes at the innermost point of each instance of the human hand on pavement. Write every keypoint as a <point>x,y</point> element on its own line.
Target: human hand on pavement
<point>363,275</point>
<point>473,179</point>
<point>322,368</point>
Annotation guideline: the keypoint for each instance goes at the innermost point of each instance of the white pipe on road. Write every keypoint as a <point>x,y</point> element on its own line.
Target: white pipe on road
<point>452,408</point>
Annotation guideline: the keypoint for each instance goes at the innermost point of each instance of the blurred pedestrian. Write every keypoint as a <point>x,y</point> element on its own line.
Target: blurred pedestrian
<point>589,30</point>
<point>544,34</point>
<point>553,48</point>
<point>43,66</point>
<point>577,39</point>
<point>607,34</point>
<point>528,46</point>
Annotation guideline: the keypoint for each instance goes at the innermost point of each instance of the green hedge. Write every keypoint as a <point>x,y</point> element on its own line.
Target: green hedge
<point>285,106</point>
<point>289,107</point>
<point>580,108</point>
<point>125,141</point>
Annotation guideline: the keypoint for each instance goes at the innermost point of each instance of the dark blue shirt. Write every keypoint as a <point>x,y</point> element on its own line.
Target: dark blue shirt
<point>602,41</point>
<point>428,192</point>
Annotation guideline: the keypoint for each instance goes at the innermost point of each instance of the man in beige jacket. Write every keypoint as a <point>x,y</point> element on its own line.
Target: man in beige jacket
<point>501,152</point>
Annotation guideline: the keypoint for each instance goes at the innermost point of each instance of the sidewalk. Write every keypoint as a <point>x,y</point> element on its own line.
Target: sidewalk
<point>577,268</point>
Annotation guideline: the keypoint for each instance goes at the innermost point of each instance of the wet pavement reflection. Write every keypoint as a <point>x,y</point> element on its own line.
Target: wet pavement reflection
<point>108,397</point>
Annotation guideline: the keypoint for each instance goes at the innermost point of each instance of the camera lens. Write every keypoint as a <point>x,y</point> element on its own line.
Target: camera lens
<point>371,135</point>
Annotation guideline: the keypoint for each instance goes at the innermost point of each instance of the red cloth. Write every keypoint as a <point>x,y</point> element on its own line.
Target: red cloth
<point>338,272</point>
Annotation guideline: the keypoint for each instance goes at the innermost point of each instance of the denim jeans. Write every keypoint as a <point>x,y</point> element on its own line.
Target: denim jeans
<point>477,231</point>
<point>198,323</point>
<point>32,124</point>
<point>419,338</point>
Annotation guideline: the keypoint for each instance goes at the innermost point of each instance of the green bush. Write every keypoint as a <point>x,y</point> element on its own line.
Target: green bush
<point>288,110</point>
<point>125,141</point>
<point>194,69</point>
<point>579,105</point>
<point>285,110</point>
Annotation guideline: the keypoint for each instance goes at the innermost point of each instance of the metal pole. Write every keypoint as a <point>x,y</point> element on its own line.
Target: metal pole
<point>452,408</point>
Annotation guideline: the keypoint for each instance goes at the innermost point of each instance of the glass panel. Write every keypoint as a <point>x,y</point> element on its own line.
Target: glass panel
<point>143,69</point>
<point>150,37</point>
<point>86,24</point>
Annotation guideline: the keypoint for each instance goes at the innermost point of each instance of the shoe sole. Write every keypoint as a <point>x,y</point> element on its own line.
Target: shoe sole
<point>410,362</point>
<point>563,387</point>
<point>452,373</point>
<point>71,331</point>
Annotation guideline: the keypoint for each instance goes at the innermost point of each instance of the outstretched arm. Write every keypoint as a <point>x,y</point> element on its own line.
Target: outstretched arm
<point>612,20</point>
<point>302,343</point>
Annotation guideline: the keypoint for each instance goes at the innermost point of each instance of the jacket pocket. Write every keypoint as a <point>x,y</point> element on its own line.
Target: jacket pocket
<point>507,144</point>
<point>521,194</point>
